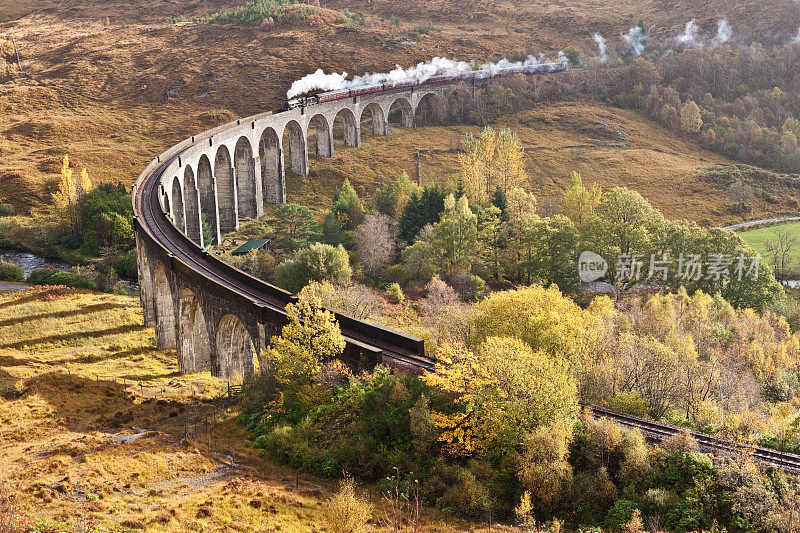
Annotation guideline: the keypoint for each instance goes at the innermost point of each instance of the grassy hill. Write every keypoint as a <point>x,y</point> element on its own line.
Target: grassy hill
<point>113,83</point>
<point>93,431</point>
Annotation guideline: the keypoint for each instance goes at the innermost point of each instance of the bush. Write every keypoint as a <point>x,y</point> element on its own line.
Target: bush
<point>346,512</point>
<point>11,271</point>
<point>469,286</point>
<point>631,403</point>
<point>126,265</point>
<point>6,210</point>
<point>79,278</point>
<point>394,293</point>
<point>619,514</point>
<point>319,262</point>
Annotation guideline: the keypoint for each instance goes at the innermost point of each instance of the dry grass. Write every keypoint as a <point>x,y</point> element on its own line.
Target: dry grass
<point>103,75</point>
<point>76,370</point>
<point>659,164</point>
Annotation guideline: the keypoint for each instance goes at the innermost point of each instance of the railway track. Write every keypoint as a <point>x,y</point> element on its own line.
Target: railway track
<point>659,431</point>
<point>152,219</point>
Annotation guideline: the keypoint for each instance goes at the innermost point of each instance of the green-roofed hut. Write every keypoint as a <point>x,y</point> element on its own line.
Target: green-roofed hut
<point>249,246</point>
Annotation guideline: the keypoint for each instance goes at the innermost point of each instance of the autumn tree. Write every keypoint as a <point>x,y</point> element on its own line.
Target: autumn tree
<point>509,161</point>
<point>580,202</point>
<point>69,195</point>
<point>505,389</point>
<point>691,120</point>
<point>374,244</point>
<point>346,512</point>
<point>542,318</point>
<point>494,160</point>
<point>311,337</point>
<point>455,236</point>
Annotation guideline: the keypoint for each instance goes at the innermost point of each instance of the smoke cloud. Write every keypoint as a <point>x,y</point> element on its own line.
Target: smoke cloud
<point>319,81</point>
<point>724,33</point>
<point>796,39</point>
<point>601,46</point>
<point>316,81</point>
<point>690,36</point>
<point>636,38</point>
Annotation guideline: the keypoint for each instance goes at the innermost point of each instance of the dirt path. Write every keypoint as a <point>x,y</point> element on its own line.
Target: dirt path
<point>762,222</point>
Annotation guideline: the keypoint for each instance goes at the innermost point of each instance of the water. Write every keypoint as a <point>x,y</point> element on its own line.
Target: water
<point>30,262</point>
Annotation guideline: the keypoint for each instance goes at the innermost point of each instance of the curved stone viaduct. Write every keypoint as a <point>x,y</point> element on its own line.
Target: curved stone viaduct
<point>215,316</point>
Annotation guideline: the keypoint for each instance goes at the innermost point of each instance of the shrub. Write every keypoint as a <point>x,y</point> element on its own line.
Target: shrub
<point>346,512</point>
<point>11,271</point>
<point>631,403</point>
<point>469,286</point>
<point>619,515</point>
<point>6,210</point>
<point>319,262</point>
<point>394,293</point>
<point>126,266</point>
<point>78,278</point>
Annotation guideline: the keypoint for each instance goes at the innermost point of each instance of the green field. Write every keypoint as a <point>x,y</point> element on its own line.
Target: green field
<point>757,237</point>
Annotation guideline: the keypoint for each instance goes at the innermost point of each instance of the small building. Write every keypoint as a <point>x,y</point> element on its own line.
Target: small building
<point>249,246</point>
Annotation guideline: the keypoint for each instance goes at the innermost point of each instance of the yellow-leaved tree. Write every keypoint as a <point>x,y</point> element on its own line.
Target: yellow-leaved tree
<point>71,191</point>
<point>691,119</point>
<point>491,161</point>
<point>509,161</point>
<point>579,202</point>
<point>505,389</point>
<point>542,318</point>
<point>311,337</point>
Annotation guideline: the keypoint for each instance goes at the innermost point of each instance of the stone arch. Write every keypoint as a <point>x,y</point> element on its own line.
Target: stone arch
<point>346,127</point>
<point>226,190</point>
<point>430,110</point>
<point>245,178</point>
<point>322,132</point>
<point>191,205</point>
<point>164,310</point>
<point>235,349</point>
<point>194,347</point>
<point>269,152</point>
<point>208,198</point>
<point>178,216</point>
<point>401,112</point>
<point>373,114</point>
<point>459,104</point>
<point>297,152</point>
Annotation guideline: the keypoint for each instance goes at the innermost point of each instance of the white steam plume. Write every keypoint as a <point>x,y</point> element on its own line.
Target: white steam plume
<point>316,81</point>
<point>319,81</point>
<point>601,46</point>
<point>636,38</point>
<point>690,36</point>
<point>724,33</point>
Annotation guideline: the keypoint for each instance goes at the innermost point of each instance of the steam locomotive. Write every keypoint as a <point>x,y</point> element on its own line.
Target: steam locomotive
<point>542,68</point>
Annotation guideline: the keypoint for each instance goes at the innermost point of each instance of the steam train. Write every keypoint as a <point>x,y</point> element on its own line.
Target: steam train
<point>541,68</point>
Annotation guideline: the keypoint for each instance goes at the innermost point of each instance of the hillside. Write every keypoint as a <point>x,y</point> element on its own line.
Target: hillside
<point>113,83</point>
<point>93,430</point>
<point>609,146</point>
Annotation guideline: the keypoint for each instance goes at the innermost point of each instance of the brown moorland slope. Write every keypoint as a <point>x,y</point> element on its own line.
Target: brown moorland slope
<point>113,84</point>
<point>93,432</point>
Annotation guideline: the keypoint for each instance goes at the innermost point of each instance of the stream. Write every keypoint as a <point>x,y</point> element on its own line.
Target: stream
<point>28,261</point>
